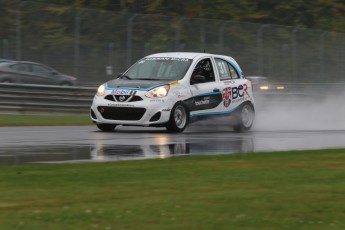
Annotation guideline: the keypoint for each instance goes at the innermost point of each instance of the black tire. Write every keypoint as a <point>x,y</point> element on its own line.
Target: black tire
<point>179,118</point>
<point>106,127</point>
<point>244,118</point>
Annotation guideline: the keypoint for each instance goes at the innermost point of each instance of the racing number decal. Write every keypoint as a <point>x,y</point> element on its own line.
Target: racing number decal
<point>221,66</point>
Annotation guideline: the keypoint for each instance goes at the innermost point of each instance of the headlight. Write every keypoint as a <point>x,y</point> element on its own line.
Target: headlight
<point>160,91</point>
<point>264,87</point>
<point>101,90</point>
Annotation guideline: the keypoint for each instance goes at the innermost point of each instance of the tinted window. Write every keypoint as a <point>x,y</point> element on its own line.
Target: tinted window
<point>204,68</point>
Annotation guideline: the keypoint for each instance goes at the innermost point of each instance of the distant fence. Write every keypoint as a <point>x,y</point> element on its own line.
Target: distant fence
<point>95,45</point>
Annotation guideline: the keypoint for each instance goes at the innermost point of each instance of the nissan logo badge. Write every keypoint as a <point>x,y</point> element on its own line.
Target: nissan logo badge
<point>122,98</point>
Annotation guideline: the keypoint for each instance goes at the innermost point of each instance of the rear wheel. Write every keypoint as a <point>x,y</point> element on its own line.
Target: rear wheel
<point>106,127</point>
<point>179,118</point>
<point>244,118</point>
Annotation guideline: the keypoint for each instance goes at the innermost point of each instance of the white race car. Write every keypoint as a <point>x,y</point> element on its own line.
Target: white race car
<point>173,89</point>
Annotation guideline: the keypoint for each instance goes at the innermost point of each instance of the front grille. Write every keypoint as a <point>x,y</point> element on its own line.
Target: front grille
<point>136,98</point>
<point>122,98</point>
<point>118,99</point>
<point>121,113</point>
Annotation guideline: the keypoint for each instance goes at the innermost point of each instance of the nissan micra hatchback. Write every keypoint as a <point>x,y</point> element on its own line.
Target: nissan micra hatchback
<point>173,89</point>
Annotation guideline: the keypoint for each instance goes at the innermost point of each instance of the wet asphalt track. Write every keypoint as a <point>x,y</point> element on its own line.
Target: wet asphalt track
<point>86,143</point>
<point>282,123</point>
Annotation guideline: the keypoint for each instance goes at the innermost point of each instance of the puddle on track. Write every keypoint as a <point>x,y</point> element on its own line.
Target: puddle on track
<point>106,152</point>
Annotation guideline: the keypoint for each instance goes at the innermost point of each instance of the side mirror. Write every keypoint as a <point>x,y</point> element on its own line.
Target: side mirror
<point>198,79</point>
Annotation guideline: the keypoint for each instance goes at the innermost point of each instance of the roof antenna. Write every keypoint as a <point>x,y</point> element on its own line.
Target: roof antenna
<point>204,51</point>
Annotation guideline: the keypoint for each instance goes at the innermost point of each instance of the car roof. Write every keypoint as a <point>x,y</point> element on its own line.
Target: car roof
<point>11,62</point>
<point>6,60</point>
<point>189,55</point>
<point>27,62</point>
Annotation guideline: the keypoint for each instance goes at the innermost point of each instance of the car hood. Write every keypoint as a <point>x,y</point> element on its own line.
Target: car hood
<point>137,84</point>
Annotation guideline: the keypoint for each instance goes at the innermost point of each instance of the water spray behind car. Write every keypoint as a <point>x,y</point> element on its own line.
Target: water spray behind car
<point>319,109</point>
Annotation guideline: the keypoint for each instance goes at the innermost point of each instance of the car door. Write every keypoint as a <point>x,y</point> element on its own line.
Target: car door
<point>234,88</point>
<point>206,94</point>
<point>20,72</point>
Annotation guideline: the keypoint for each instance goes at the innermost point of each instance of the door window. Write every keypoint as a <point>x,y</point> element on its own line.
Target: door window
<point>226,70</point>
<point>204,68</point>
<point>41,69</point>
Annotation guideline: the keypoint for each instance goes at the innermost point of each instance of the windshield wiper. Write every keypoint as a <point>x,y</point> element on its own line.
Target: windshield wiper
<point>125,76</point>
<point>151,79</point>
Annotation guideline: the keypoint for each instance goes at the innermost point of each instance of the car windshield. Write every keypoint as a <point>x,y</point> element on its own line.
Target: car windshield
<point>3,63</point>
<point>158,68</point>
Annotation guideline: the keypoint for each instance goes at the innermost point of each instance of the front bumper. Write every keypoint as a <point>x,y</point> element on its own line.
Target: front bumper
<point>147,112</point>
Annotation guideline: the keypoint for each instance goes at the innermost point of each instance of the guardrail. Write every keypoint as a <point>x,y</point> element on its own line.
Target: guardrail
<point>45,99</point>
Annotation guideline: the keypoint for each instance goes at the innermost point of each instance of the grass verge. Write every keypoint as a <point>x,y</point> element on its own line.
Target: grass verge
<point>43,120</point>
<point>279,190</point>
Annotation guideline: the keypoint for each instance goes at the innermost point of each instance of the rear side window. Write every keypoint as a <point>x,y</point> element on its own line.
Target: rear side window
<point>41,69</point>
<point>21,67</point>
<point>226,70</point>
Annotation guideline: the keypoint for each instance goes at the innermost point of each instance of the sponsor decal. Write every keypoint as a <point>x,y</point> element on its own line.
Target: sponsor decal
<point>178,94</point>
<point>165,59</point>
<point>240,91</point>
<point>226,94</point>
<point>123,92</point>
<point>121,105</point>
<point>246,89</point>
<point>204,101</point>
<point>174,83</point>
<point>234,94</point>
<point>179,91</point>
<point>157,100</point>
<point>228,82</point>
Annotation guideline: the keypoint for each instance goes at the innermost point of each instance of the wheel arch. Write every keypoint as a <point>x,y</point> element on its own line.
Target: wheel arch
<point>245,103</point>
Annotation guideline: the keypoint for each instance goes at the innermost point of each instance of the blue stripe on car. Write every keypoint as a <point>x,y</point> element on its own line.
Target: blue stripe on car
<point>207,94</point>
<point>213,113</point>
<point>132,88</point>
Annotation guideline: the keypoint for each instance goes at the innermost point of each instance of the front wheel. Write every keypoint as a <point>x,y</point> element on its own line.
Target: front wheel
<point>106,127</point>
<point>244,118</point>
<point>179,119</point>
